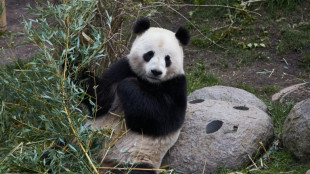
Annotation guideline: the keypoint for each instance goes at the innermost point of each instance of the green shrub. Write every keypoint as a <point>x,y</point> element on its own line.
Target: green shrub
<point>39,99</point>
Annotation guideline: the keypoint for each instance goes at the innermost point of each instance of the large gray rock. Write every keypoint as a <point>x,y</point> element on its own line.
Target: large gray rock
<point>225,93</point>
<point>296,130</point>
<point>219,134</point>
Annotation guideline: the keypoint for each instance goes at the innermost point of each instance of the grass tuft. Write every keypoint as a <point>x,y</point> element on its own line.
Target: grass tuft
<point>305,62</point>
<point>246,87</point>
<point>270,90</point>
<point>197,77</point>
<point>282,4</point>
<point>294,40</point>
<point>278,113</point>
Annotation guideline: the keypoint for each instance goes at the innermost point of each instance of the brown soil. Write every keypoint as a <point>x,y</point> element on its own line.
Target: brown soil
<point>283,71</point>
<point>15,11</point>
<point>279,70</point>
<point>278,73</point>
<point>259,74</point>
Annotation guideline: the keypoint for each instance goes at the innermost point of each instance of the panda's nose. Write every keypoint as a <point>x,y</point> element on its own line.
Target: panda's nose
<point>156,72</point>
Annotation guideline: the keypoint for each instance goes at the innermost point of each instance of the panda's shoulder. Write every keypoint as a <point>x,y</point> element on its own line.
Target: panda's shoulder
<point>120,68</point>
<point>122,63</point>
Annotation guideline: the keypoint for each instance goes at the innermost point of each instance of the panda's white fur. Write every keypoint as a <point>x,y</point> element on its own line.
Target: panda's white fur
<point>163,42</point>
<point>153,105</point>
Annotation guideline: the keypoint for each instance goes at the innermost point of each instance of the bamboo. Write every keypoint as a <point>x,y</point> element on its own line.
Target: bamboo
<point>2,16</point>
<point>261,143</point>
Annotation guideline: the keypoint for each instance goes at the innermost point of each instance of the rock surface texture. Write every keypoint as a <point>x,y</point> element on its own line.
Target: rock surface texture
<point>225,93</point>
<point>219,134</point>
<point>296,130</point>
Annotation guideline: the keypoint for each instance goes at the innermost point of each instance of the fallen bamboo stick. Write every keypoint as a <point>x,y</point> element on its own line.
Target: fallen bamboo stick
<point>137,169</point>
<point>261,143</point>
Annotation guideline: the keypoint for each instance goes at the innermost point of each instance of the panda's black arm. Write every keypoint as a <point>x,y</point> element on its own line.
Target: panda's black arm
<point>151,109</point>
<point>105,87</point>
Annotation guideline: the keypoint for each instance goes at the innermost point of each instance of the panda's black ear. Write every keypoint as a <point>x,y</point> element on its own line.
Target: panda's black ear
<point>183,36</point>
<point>141,25</point>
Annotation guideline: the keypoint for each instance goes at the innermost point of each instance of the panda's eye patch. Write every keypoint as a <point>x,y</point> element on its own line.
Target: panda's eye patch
<point>148,56</point>
<point>168,61</point>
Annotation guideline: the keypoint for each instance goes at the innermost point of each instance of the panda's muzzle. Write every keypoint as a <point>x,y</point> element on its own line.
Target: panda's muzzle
<point>153,79</point>
<point>156,72</point>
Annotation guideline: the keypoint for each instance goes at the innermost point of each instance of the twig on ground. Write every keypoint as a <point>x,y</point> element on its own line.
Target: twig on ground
<point>271,72</point>
<point>253,162</point>
<point>204,167</point>
<point>261,143</point>
<point>136,169</point>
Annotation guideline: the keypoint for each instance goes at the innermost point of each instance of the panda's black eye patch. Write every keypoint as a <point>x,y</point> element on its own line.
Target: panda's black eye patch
<point>148,56</point>
<point>168,61</point>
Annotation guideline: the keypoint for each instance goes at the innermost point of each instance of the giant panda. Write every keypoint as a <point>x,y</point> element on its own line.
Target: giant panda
<point>147,87</point>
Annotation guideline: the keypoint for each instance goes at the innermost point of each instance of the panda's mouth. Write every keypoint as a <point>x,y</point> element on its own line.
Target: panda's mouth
<point>153,78</point>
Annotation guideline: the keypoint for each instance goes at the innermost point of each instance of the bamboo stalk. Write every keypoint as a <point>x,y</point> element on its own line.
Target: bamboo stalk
<point>261,143</point>
<point>65,104</point>
<point>2,16</point>
<point>16,104</point>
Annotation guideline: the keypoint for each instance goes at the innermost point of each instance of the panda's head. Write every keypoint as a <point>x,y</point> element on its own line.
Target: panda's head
<point>157,54</point>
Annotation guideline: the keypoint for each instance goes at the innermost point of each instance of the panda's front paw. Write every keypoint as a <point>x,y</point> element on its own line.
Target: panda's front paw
<point>128,83</point>
<point>127,86</point>
<point>131,80</point>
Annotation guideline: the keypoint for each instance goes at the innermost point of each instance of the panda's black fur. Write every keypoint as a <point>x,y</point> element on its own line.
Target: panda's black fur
<point>150,108</point>
<point>183,35</point>
<point>141,25</point>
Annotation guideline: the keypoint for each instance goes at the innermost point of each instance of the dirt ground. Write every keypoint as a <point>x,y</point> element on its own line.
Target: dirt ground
<point>282,71</point>
<point>279,71</point>
<point>14,46</point>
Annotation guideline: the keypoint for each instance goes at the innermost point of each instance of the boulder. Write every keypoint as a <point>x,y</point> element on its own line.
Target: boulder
<point>225,93</point>
<point>295,93</point>
<point>219,134</point>
<point>296,130</point>
<point>308,172</point>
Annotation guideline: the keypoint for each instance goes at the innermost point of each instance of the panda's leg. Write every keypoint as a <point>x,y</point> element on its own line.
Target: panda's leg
<point>143,166</point>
